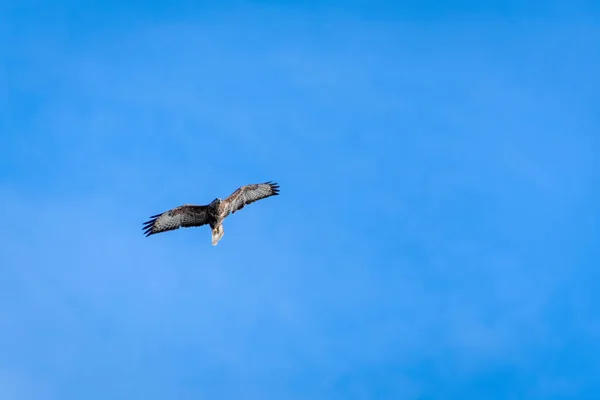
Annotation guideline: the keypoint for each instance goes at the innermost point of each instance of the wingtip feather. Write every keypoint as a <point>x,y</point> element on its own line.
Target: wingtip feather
<point>274,187</point>
<point>148,226</point>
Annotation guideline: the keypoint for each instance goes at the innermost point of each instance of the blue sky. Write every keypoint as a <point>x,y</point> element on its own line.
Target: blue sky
<point>436,233</point>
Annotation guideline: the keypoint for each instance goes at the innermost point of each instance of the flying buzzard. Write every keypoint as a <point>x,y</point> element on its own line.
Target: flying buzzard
<point>213,214</point>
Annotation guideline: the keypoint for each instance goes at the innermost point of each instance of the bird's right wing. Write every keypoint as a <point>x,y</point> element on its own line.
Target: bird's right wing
<point>182,216</point>
<point>249,194</point>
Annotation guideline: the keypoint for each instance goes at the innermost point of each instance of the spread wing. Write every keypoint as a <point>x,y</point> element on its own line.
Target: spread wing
<point>249,194</point>
<point>182,216</point>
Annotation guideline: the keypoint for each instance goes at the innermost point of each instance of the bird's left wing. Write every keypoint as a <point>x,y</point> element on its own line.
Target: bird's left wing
<point>182,216</point>
<point>249,194</point>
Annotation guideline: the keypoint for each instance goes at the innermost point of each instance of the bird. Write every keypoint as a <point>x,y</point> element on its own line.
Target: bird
<point>213,214</point>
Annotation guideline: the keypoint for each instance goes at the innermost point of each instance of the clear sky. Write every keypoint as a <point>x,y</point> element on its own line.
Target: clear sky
<point>436,236</point>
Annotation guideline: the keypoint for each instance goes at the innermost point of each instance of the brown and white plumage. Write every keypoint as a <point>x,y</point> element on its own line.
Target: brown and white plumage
<point>249,194</point>
<point>212,214</point>
<point>183,216</point>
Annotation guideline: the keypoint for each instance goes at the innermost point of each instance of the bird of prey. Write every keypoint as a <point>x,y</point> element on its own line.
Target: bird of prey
<point>212,214</point>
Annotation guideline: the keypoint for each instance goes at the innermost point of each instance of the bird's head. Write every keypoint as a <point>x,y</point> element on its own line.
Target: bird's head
<point>216,202</point>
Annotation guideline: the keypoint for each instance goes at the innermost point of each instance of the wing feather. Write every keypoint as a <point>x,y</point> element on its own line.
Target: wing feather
<point>249,194</point>
<point>182,216</point>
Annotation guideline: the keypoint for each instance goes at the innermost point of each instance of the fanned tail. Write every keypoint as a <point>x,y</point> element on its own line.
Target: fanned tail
<point>217,234</point>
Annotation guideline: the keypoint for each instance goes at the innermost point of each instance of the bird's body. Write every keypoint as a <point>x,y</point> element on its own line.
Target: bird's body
<point>213,214</point>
